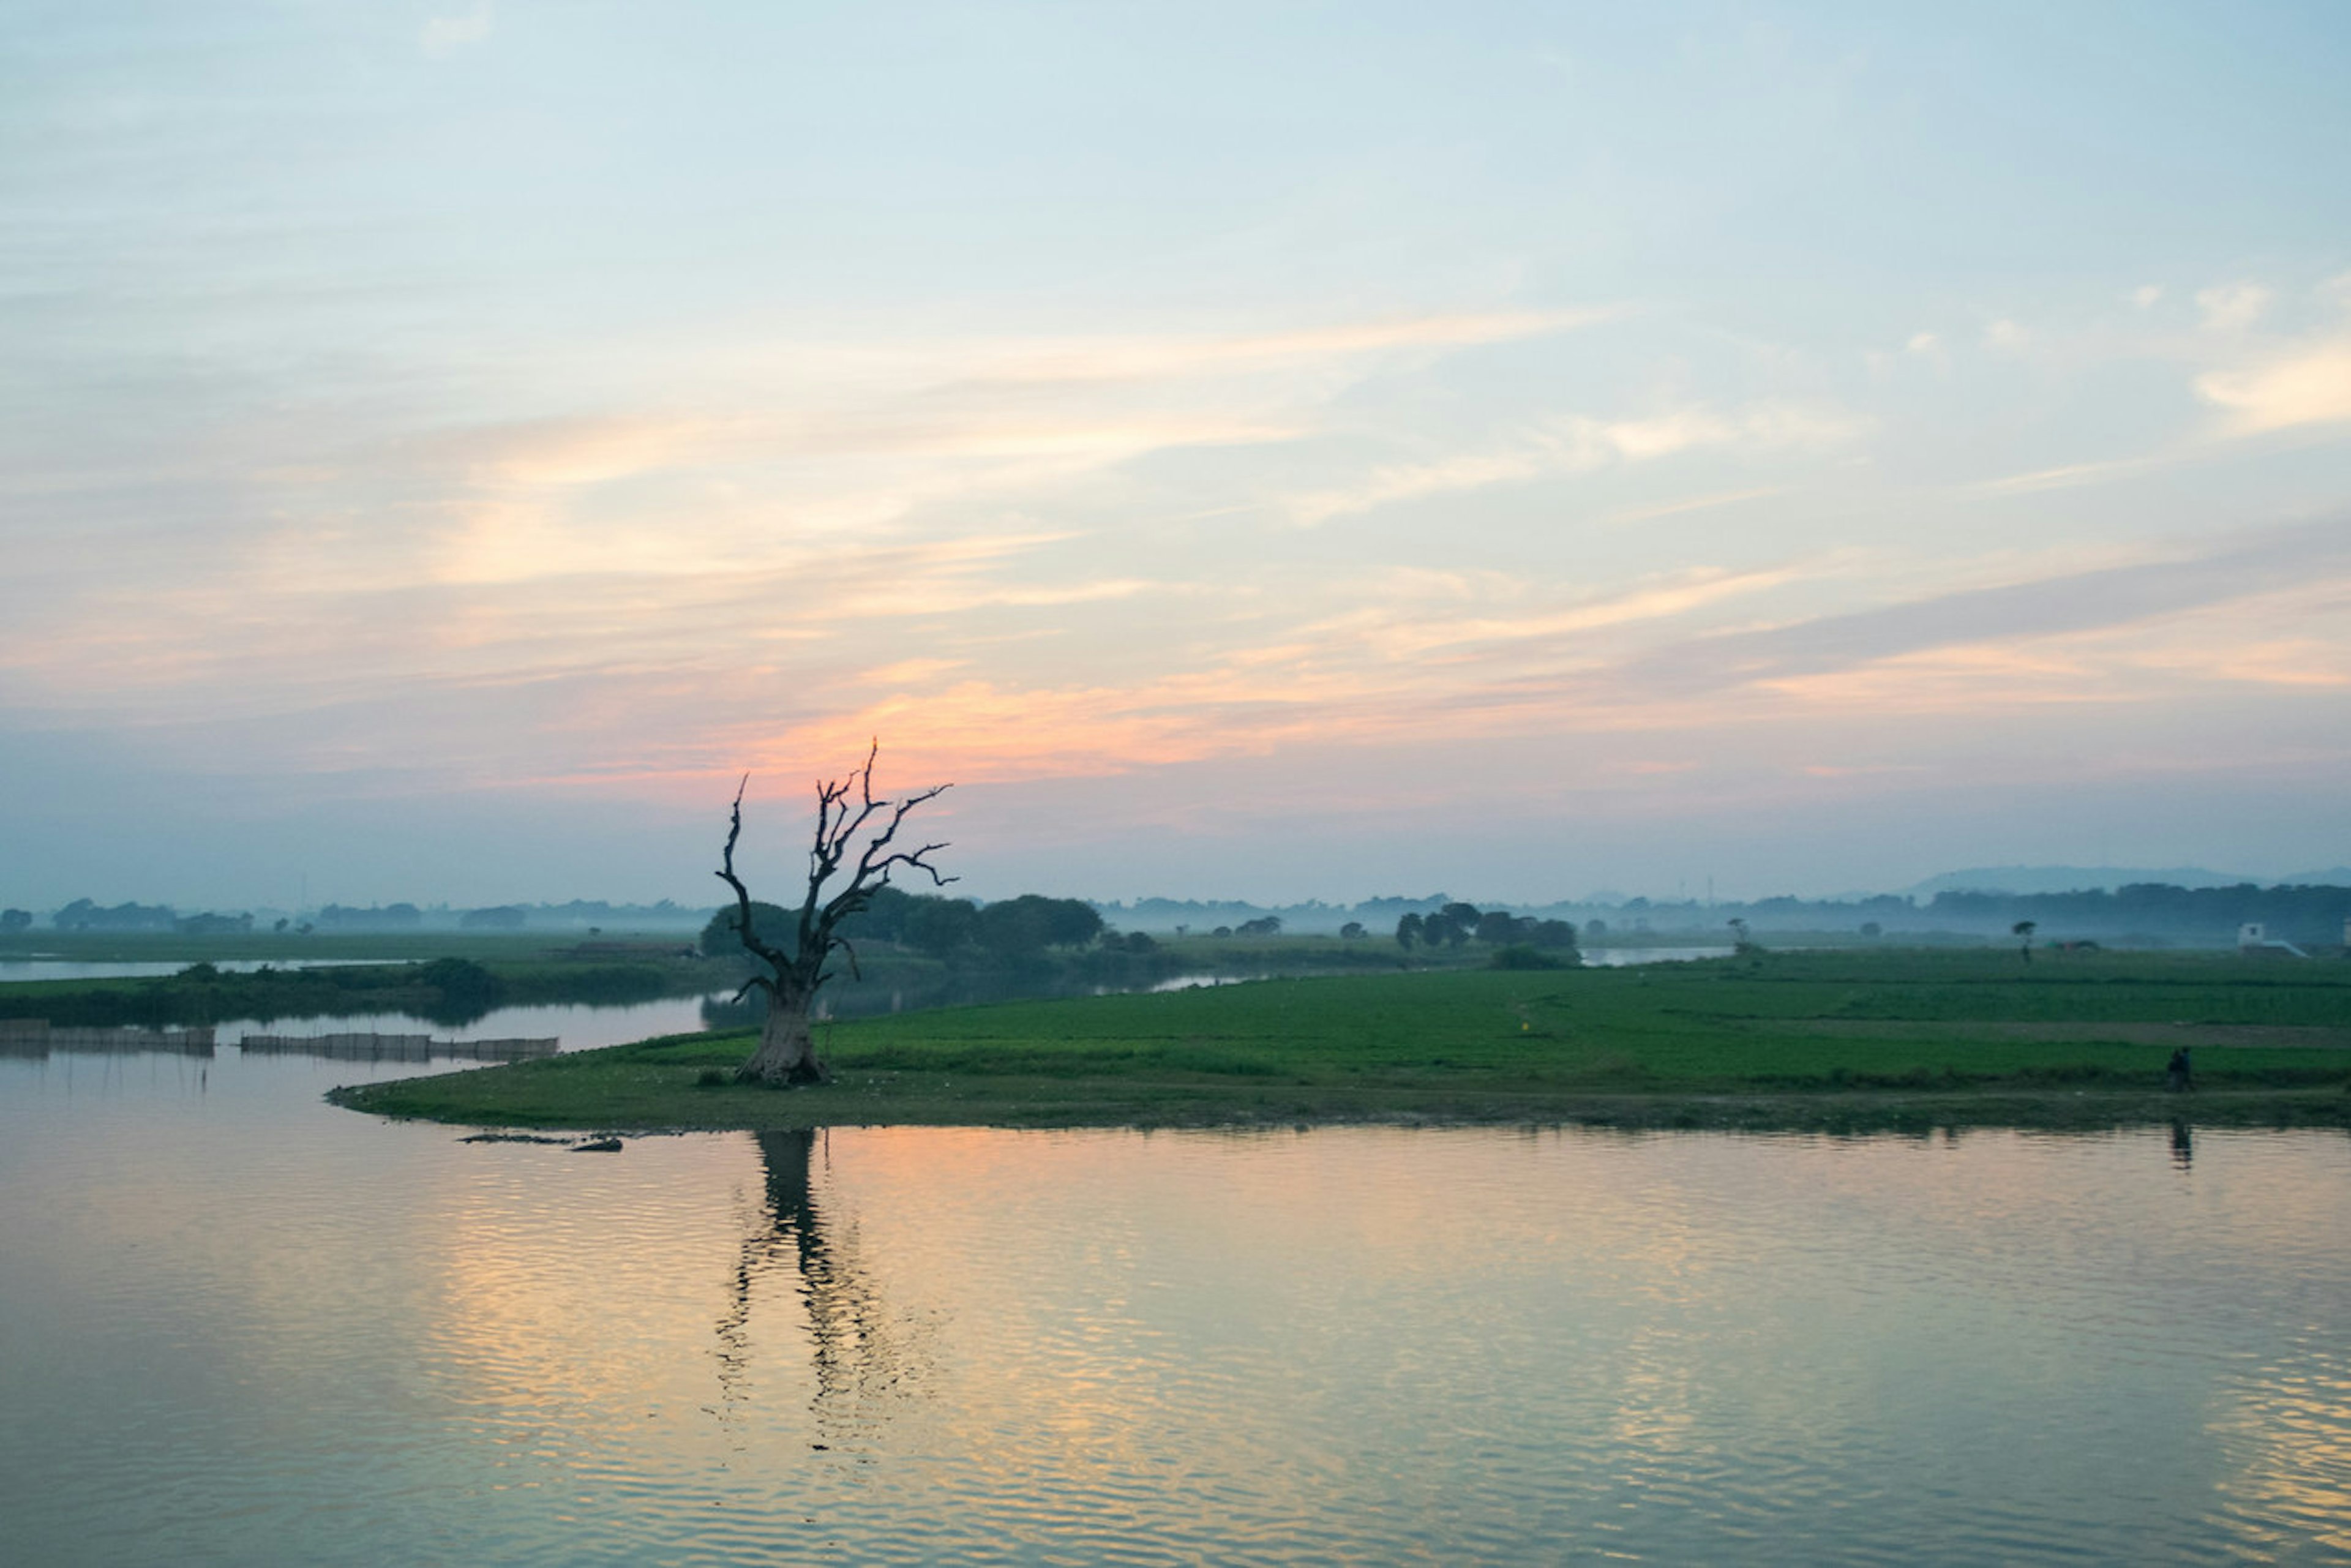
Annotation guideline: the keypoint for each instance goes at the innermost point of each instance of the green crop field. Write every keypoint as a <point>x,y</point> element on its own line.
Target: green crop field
<point>1810,1039</point>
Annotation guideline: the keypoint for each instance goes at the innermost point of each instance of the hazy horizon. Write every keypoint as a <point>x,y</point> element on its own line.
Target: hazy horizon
<point>2020,881</point>
<point>1268,454</point>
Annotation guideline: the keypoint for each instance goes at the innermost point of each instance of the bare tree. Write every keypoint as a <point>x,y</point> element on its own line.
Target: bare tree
<point>2022,931</point>
<point>854,833</point>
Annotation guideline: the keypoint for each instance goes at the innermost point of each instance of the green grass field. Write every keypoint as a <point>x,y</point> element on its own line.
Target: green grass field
<point>1851,1038</point>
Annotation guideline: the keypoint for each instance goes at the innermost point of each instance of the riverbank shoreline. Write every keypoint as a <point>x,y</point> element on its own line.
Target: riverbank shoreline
<point>1784,1042</point>
<point>897,1101</point>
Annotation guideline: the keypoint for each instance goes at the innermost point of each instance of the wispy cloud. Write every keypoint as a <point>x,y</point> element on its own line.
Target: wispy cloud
<point>2007,616</point>
<point>1419,629</point>
<point>1684,505</point>
<point>526,506</point>
<point>2007,337</point>
<point>1579,443</point>
<point>444,34</point>
<point>1142,357</point>
<point>2308,384</point>
<point>2231,307</point>
<point>2073,473</point>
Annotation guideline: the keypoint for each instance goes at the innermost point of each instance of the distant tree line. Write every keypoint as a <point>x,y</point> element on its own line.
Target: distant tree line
<point>2310,914</point>
<point>941,928</point>
<point>87,914</point>
<point>84,914</point>
<point>1457,924</point>
<point>2159,911</point>
<point>211,925</point>
<point>384,918</point>
<point>587,911</point>
<point>442,991</point>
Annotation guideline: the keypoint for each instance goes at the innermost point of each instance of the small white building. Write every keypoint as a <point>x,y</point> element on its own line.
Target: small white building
<point>2253,938</point>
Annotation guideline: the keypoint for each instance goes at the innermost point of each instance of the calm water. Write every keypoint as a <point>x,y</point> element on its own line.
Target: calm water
<point>1617,957</point>
<point>576,1027</point>
<point>1602,958</point>
<point>239,1326</point>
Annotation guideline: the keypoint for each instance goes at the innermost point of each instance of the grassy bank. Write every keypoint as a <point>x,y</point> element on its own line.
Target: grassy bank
<point>1844,1039</point>
<point>444,990</point>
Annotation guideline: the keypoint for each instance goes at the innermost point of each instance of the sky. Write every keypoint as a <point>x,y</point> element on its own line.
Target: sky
<point>1261,451</point>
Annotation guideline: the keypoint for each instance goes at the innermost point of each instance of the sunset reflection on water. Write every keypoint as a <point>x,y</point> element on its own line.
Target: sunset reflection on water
<point>915,1344</point>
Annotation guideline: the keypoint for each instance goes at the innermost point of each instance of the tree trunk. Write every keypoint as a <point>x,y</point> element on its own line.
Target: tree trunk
<point>787,1052</point>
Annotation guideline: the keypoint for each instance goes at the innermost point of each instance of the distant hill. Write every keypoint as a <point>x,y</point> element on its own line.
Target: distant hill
<point>2333,877</point>
<point>2081,879</point>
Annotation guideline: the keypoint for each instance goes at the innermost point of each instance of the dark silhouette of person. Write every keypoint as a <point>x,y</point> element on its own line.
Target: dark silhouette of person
<point>2180,1072</point>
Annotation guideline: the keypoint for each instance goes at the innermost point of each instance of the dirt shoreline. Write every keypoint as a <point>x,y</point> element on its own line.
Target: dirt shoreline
<point>1128,1104</point>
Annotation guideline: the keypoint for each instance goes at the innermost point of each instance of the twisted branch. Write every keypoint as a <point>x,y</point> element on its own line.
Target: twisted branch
<point>842,820</point>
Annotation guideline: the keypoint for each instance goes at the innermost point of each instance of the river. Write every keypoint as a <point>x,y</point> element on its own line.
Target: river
<point>240,1326</point>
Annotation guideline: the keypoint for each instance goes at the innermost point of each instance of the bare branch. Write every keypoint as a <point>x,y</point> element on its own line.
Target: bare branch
<point>750,937</point>
<point>875,864</point>
<point>873,867</point>
<point>852,846</point>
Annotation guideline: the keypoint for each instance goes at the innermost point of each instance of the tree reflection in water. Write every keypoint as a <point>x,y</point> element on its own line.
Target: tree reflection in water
<point>864,1360</point>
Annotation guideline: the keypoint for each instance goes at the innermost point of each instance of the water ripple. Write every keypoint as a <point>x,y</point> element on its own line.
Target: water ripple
<point>236,1326</point>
